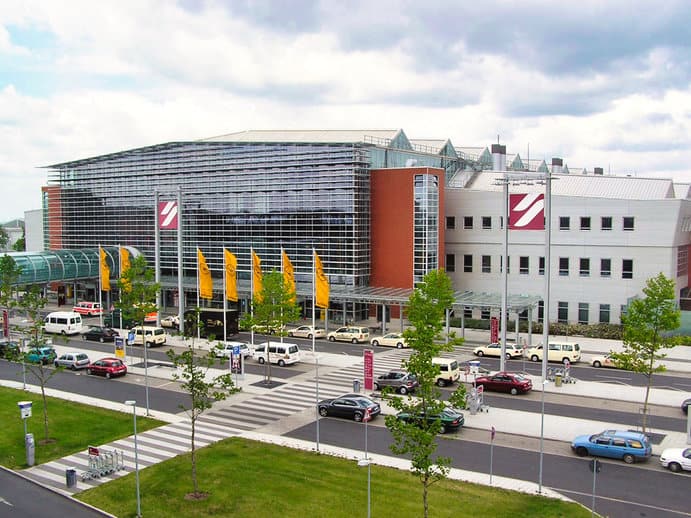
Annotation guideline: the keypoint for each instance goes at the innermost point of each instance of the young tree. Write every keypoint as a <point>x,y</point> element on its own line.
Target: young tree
<point>192,369</point>
<point>426,312</point>
<point>4,238</point>
<point>10,273</point>
<point>20,244</point>
<point>647,324</point>
<point>272,311</point>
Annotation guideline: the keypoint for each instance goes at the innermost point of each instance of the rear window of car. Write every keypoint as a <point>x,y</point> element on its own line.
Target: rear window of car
<point>635,444</point>
<point>293,349</point>
<point>159,332</point>
<point>82,357</point>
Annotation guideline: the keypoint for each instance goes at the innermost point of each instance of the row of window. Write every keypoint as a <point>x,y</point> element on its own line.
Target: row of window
<point>604,312</point>
<point>606,223</point>
<point>585,266</point>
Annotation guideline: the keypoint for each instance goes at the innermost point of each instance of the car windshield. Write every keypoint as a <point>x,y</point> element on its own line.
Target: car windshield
<point>520,377</point>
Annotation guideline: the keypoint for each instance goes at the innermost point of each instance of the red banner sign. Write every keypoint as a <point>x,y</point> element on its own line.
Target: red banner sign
<point>369,369</point>
<point>168,215</point>
<point>527,211</point>
<point>494,330</point>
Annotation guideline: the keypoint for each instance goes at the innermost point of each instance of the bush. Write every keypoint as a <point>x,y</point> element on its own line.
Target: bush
<point>604,331</point>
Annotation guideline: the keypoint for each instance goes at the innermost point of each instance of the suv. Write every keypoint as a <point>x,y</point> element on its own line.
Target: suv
<point>72,360</point>
<point>349,334</point>
<point>401,381</point>
<point>148,335</point>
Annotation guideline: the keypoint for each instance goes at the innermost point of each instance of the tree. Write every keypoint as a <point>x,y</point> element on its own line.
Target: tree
<point>4,238</point>
<point>20,244</point>
<point>193,369</point>
<point>272,311</point>
<point>426,312</point>
<point>647,324</point>
<point>10,273</point>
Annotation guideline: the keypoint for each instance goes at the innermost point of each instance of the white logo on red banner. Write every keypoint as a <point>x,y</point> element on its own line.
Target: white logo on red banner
<point>168,215</point>
<point>527,211</point>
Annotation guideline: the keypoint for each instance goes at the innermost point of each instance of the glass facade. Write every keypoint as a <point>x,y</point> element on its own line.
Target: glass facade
<point>426,226</point>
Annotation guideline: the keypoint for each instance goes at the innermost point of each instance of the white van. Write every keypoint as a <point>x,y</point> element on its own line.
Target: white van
<point>558,352</point>
<point>63,322</point>
<point>449,371</point>
<point>149,335</point>
<point>281,353</point>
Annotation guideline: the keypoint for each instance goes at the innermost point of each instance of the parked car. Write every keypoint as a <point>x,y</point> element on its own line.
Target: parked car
<point>495,350</point>
<point>225,349</point>
<point>108,367</point>
<point>171,321</point>
<point>72,360</point>
<point>400,380</point>
<point>148,335</point>
<point>616,444</point>
<point>100,334</point>
<point>350,406</point>
<point>676,459</point>
<point>511,382</point>
<point>603,360</point>
<point>389,340</point>
<point>45,354</point>
<point>558,352</point>
<point>270,329</point>
<point>450,419</point>
<point>9,350</point>
<point>685,405</point>
<point>307,332</point>
<point>349,334</point>
<point>88,309</point>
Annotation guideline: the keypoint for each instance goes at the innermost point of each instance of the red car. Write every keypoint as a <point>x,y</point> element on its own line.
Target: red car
<point>511,382</point>
<point>108,367</point>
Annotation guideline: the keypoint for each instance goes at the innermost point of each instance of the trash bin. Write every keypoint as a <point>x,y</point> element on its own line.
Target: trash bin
<point>356,386</point>
<point>71,477</point>
<point>557,380</point>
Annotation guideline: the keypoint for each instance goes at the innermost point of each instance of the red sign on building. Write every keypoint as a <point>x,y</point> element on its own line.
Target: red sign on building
<point>168,215</point>
<point>494,330</point>
<point>369,369</point>
<point>527,211</point>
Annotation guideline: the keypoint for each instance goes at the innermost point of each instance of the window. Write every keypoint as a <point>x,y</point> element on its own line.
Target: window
<point>564,223</point>
<point>564,266</point>
<point>468,222</point>
<point>540,310</point>
<point>484,314</point>
<point>583,310</point>
<point>606,223</point>
<point>486,264</point>
<point>563,312</point>
<point>450,262</point>
<point>627,268</point>
<point>604,313</point>
<point>450,222</point>
<point>468,263</point>
<point>541,266</point>
<point>605,267</point>
<point>584,267</point>
<point>486,222</point>
<point>467,312</point>
<point>628,223</point>
<point>524,265</point>
<point>585,223</point>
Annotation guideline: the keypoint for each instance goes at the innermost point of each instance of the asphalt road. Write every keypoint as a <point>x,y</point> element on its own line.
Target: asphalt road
<point>621,490</point>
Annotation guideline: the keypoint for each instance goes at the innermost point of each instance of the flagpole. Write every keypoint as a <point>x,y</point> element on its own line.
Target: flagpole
<point>100,283</point>
<point>252,293</point>
<point>314,330</point>
<point>198,330</point>
<point>225,295</point>
<point>181,288</point>
<point>157,260</point>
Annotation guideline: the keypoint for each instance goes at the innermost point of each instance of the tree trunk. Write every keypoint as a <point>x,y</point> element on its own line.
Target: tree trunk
<point>425,504</point>
<point>45,410</point>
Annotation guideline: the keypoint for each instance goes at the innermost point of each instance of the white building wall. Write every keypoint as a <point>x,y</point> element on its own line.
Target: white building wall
<point>652,246</point>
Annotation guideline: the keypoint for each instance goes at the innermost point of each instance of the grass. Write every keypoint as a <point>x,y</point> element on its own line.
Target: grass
<point>247,478</point>
<point>72,426</point>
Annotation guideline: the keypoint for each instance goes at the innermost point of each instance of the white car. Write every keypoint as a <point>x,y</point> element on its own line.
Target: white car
<point>225,349</point>
<point>171,321</point>
<point>351,334</point>
<point>603,361</point>
<point>676,459</point>
<point>389,340</point>
<point>307,332</point>
<point>495,350</point>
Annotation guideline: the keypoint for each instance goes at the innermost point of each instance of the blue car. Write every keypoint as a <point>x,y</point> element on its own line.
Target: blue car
<point>615,444</point>
<point>42,355</point>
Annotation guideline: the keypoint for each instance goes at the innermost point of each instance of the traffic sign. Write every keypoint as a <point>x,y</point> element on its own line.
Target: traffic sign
<point>236,350</point>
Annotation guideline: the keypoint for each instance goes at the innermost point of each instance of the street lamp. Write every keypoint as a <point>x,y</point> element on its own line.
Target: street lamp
<point>362,463</point>
<point>133,404</point>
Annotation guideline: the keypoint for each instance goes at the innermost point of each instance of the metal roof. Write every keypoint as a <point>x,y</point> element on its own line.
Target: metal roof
<point>305,136</point>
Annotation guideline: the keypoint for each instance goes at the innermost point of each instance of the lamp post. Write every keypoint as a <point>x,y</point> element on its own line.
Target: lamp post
<point>133,404</point>
<point>362,463</point>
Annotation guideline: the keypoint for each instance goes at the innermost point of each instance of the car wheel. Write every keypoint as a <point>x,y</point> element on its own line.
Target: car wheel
<point>73,367</point>
<point>479,353</point>
<point>565,361</point>
<point>399,345</point>
<point>332,339</point>
<point>261,360</point>
<point>534,358</point>
<point>514,391</point>
<point>674,466</point>
<point>442,430</point>
<point>84,337</point>
<point>107,375</point>
<point>101,339</point>
<point>290,334</point>
<point>63,333</point>
<point>357,417</point>
<point>441,383</point>
<point>281,363</point>
<point>597,364</point>
<point>375,343</point>
<point>376,386</point>
<point>581,451</point>
<point>323,411</point>
<point>88,371</point>
<point>353,341</point>
<point>309,336</point>
<point>629,459</point>
<point>508,356</point>
<point>149,344</point>
<point>403,391</point>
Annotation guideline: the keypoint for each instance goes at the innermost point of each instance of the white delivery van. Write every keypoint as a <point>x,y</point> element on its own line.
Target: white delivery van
<point>149,335</point>
<point>449,371</point>
<point>282,353</point>
<point>63,322</point>
<point>558,352</point>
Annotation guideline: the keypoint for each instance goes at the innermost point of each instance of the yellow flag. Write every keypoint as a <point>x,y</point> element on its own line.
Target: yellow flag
<point>104,270</point>
<point>124,266</point>
<point>257,286</point>
<point>289,276</point>
<point>322,284</point>
<point>231,266</point>
<point>206,290</point>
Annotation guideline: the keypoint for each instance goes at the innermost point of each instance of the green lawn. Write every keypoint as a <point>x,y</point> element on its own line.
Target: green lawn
<point>73,426</point>
<point>247,478</point>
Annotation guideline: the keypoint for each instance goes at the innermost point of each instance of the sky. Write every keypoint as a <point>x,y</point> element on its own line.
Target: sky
<point>599,84</point>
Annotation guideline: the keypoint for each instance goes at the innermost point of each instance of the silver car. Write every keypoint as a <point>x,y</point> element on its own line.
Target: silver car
<point>72,360</point>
